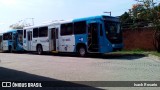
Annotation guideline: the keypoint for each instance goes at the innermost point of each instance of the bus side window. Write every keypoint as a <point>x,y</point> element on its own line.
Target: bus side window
<point>43,31</point>
<point>80,27</point>
<point>35,32</point>
<point>67,29</point>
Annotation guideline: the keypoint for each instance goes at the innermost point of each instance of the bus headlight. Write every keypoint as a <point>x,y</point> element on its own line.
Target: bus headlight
<point>113,45</point>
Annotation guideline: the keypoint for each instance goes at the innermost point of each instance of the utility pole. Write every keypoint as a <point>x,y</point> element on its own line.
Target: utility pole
<point>109,13</point>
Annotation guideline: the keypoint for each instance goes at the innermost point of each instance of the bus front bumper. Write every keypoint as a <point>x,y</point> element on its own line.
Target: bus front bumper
<point>117,46</point>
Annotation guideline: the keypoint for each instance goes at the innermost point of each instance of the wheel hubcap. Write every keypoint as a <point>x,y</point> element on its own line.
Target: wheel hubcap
<point>39,50</point>
<point>82,51</point>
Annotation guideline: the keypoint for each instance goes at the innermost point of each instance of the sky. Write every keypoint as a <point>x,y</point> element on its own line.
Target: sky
<point>42,11</point>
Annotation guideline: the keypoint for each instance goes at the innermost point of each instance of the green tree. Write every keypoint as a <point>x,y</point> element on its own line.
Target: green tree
<point>16,26</point>
<point>21,24</point>
<point>126,20</point>
<point>152,15</point>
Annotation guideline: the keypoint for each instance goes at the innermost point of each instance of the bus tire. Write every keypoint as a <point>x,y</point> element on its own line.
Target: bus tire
<point>39,50</point>
<point>82,51</point>
<point>10,49</point>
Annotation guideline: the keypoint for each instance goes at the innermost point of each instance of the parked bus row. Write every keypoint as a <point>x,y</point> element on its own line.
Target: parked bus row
<point>98,34</point>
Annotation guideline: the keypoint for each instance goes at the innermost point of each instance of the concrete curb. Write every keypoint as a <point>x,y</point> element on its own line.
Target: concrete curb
<point>154,57</point>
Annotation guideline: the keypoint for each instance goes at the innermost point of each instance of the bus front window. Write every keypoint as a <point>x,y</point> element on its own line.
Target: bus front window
<point>7,36</point>
<point>20,36</point>
<point>113,32</point>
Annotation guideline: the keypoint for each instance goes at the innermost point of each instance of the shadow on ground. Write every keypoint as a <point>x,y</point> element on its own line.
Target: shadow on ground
<point>18,76</point>
<point>109,56</point>
<point>119,56</point>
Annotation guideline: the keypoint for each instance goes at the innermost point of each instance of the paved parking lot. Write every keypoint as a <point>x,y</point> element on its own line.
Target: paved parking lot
<point>29,67</point>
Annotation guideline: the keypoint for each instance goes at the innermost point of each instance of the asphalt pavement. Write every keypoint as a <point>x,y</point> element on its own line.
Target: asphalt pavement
<point>69,68</point>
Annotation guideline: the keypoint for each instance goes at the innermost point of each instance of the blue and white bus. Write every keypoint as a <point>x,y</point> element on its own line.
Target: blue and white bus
<point>98,34</point>
<point>13,41</point>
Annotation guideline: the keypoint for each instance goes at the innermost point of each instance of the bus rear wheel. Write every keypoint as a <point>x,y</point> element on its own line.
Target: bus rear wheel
<point>39,50</point>
<point>82,51</point>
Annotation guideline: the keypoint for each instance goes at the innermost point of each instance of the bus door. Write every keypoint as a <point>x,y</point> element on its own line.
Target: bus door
<point>102,43</point>
<point>54,39</point>
<point>15,37</point>
<point>93,39</point>
<point>1,42</point>
<point>29,40</point>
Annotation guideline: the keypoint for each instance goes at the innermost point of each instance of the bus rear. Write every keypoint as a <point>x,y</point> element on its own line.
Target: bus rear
<point>13,41</point>
<point>7,41</point>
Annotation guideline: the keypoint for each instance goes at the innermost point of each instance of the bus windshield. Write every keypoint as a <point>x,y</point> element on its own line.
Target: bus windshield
<point>7,36</point>
<point>20,32</point>
<point>20,36</point>
<point>113,31</point>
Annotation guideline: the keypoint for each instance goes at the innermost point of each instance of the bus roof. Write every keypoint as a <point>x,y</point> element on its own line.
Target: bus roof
<point>13,30</point>
<point>110,18</point>
<point>48,24</point>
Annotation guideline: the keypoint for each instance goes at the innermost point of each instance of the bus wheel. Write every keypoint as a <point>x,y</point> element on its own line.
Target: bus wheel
<point>10,49</point>
<point>82,52</point>
<point>39,49</point>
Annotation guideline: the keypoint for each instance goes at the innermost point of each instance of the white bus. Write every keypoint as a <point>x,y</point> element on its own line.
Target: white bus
<point>43,38</point>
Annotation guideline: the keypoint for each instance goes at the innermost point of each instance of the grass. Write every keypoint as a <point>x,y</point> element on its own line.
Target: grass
<point>155,53</point>
<point>138,52</point>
